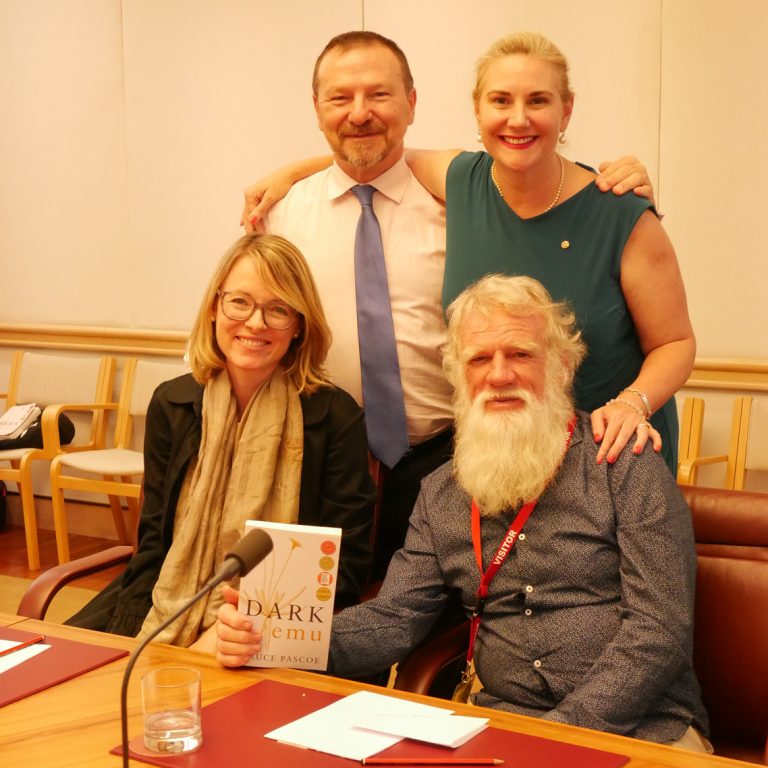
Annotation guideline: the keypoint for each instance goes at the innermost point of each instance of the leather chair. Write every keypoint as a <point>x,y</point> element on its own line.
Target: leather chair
<point>730,647</point>
<point>731,623</point>
<point>40,593</point>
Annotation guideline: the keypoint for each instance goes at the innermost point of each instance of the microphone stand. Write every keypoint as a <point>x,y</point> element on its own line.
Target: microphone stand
<point>223,575</point>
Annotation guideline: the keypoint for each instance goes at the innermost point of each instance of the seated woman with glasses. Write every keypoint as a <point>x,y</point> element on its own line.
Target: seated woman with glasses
<point>256,431</point>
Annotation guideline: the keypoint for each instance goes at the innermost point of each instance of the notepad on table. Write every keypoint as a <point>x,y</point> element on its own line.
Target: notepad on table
<point>63,659</point>
<point>18,657</point>
<point>446,730</point>
<point>333,729</point>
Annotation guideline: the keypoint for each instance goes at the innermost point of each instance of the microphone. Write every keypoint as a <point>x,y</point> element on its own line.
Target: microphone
<point>243,558</point>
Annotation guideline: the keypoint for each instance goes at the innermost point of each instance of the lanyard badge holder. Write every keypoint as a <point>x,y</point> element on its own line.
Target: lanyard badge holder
<point>464,687</point>
<point>462,691</point>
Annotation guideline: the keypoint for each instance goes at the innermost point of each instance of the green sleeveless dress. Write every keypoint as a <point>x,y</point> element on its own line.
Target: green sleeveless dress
<point>575,251</point>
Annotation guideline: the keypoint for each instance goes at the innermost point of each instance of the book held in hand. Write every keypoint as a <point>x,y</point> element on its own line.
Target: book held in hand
<point>289,595</point>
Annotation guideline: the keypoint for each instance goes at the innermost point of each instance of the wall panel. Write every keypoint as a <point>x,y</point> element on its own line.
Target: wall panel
<point>63,189</point>
<point>129,129</point>
<point>714,159</point>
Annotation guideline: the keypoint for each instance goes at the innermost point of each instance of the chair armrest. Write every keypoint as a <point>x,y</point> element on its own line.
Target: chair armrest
<point>50,424</point>
<point>417,672</point>
<point>687,467</point>
<point>35,601</point>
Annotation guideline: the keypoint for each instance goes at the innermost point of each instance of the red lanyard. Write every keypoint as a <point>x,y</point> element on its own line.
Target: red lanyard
<point>512,535</point>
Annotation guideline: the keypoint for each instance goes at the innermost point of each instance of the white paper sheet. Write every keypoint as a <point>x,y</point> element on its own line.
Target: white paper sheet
<point>451,731</point>
<point>18,657</point>
<point>332,728</point>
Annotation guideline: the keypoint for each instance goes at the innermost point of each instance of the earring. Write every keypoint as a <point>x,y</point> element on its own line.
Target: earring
<point>479,136</point>
<point>562,138</point>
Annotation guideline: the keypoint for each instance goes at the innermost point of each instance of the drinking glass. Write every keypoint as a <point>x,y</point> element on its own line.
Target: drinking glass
<point>170,699</point>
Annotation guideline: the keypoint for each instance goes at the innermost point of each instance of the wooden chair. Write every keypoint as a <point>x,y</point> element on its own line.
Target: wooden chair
<point>750,416</point>
<point>115,471</point>
<point>751,445</point>
<point>47,379</point>
<point>691,428</point>
<point>731,623</point>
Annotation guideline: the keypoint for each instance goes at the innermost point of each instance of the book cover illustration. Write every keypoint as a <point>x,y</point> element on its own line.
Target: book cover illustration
<point>289,596</point>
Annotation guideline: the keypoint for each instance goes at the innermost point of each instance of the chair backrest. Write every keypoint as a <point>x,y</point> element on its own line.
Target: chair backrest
<point>731,616</point>
<point>140,379</point>
<point>13,378</point>
<point>691,428</point>
<point>751,449</point>
<point>47,379</point>
<point>747,447</point>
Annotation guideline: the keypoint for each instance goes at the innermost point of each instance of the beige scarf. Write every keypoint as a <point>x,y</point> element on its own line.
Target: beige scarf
<point>249,470</point>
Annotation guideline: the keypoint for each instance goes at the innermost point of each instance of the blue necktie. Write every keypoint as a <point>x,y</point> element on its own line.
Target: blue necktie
<point>382,390</point>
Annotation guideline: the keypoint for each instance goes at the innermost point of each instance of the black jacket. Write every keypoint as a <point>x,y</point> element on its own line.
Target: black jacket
<point>336,490</point>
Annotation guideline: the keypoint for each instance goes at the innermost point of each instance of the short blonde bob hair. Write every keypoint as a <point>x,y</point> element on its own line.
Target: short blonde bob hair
<point>284,271</point>
<point>521,296</point>
<point>528,44</point>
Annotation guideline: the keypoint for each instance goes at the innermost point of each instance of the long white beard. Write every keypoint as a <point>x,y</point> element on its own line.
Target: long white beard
<point>504,458</point>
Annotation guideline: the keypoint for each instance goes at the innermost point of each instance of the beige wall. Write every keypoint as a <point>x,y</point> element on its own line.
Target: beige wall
<point>714,160</point>
<point>131,127</point>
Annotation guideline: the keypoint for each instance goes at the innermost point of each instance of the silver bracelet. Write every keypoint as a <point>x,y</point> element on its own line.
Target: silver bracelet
<point>643,397</point>
<point>634,407</point>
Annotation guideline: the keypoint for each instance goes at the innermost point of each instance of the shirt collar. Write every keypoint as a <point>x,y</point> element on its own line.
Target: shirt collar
<point>391,183</point>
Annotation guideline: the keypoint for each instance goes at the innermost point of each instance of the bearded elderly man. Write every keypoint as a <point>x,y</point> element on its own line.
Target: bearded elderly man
<point>589,607</point>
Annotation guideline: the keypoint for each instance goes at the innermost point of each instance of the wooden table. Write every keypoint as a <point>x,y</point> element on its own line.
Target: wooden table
<point>76,723</point>
<point>7,619</point>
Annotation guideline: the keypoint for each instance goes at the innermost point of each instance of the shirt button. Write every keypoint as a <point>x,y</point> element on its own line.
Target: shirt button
<point>528,588</point>
<point>537,663</point>
<point>528,612</point>
<point>521,537</point>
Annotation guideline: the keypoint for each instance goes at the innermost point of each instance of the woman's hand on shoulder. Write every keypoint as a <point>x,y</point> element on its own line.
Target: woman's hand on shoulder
<point>262,195</point>
<point>613,426</point>
<point>625,174</point>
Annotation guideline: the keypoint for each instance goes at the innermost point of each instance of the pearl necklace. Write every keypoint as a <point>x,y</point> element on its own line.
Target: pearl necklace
<point>559,187</point>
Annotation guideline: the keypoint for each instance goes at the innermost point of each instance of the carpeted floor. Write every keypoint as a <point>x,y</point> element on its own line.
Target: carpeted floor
<point>65,604</point>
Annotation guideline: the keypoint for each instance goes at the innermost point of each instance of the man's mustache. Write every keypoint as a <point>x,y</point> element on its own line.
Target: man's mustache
<point>367,129</point>
<point>507,394</point>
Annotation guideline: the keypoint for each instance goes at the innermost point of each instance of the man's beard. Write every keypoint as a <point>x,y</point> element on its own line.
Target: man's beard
<point>505,458</point>
<point>364,153</point>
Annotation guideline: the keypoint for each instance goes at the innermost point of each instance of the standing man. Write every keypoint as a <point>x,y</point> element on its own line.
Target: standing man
<point>365,100</point>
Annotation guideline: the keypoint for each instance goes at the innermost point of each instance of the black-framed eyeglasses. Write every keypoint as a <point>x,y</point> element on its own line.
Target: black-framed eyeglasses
<point>240,306</point>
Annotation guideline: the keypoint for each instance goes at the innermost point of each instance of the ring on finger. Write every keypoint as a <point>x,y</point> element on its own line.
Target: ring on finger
<point>643,424</point>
